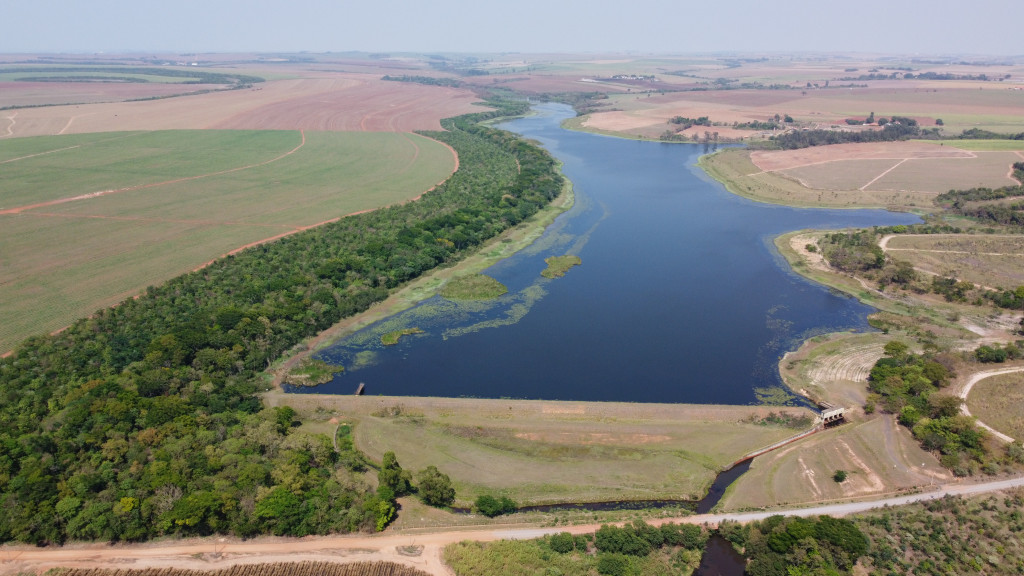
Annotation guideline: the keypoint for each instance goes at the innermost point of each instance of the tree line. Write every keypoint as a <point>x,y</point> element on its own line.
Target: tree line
<point>143,420</point>
<point>898,128</point>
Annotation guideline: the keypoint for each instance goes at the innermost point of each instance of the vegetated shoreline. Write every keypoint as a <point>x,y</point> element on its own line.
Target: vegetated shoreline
<point>427,286</point>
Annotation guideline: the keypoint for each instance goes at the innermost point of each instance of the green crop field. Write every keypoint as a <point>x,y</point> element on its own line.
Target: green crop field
<point>172,201</point>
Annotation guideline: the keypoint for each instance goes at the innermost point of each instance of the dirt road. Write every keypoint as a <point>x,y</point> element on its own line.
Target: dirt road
<point>213,553</point>
<point>974,379</point>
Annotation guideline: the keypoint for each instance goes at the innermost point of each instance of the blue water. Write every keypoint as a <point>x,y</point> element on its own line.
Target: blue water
<point>681,295</point>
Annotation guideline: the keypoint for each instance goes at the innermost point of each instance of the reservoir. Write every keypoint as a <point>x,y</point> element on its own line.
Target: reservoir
<point>680,296</point>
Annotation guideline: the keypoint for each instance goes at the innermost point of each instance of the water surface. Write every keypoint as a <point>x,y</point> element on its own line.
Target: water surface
<point>681,295</point>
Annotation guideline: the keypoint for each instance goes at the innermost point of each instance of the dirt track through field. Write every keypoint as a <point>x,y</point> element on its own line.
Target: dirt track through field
<point>10,126</point>
<point>20,209</point>
<point>978,377</point>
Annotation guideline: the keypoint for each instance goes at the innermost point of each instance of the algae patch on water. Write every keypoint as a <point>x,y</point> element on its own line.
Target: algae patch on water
<point>312,372</point>
<point>391,338</point>
<point>473,287</point>
<point>559,265</point>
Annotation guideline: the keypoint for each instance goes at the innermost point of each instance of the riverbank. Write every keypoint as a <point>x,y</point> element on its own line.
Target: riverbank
<point>430,284</point>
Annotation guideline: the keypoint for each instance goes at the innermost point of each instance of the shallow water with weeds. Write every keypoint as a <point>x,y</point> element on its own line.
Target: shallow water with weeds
<point>680,297</point>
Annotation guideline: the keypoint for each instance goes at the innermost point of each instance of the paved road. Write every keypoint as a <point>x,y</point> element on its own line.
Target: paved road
<point>215,553</point>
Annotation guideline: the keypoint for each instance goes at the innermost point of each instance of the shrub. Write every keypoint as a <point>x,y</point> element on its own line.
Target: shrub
<point>563,543</point>
<point>490,506</point>
<point>613,565</point>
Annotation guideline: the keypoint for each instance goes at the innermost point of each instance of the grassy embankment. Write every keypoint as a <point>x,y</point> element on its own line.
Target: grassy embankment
<point>540,452</point>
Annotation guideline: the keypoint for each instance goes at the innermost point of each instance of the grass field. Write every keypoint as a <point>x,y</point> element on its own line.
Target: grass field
<point>878,456</point>
<point>999,402</point>
<point>174,201</point>
<point>996,261</point>
<point>541,452</point>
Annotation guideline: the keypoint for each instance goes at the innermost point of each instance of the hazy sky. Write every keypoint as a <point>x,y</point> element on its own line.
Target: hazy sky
<point>902,26</point>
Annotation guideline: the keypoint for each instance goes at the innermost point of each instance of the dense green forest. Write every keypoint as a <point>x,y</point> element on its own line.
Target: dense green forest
<point>144,420</point>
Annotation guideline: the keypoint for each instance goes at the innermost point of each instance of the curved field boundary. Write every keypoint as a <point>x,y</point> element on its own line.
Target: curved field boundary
<point>20,209</point>
<point>416,155</point>
<point>853,363</point>
<point>978,377</point>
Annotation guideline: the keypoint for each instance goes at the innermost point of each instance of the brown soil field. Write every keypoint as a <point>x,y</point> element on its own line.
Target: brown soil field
<point>960,105</point>
<point>50,93</point>
<point>775,160</point>
<point>322,101</point>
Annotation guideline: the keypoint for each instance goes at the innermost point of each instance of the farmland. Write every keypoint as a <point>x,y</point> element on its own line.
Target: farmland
<point>89,220</point>
<point>319,101</point>
<point>902,175</point>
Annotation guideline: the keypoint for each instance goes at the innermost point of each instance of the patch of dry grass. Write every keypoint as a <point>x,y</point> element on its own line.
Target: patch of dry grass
<point>999,402</point>
<point>996,261</point>
<point>878,456</point>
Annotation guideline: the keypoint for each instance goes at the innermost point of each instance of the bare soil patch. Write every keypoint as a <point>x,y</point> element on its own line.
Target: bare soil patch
<point>321,101</point>
<point>53,93</point>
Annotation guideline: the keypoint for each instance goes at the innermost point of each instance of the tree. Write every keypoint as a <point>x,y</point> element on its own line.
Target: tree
<point>392,476</point>
<point>839,476</point>
<point>435,488</point>
<point>896,349</point>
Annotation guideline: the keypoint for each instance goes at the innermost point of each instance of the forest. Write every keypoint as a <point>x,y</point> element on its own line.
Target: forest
<point>143,420</point>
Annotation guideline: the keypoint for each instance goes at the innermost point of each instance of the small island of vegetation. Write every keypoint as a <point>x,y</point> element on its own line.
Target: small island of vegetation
<point>473,287</point>
<point>391,338</point>
<point>312,372</point>
<point>559,265</point>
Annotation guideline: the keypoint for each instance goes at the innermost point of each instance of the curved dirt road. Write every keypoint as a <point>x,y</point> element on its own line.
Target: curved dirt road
<point>978,377</point>
<point>213,553</point>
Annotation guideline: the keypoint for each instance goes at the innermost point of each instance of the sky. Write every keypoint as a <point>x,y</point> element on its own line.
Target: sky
<point>530,26</point>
